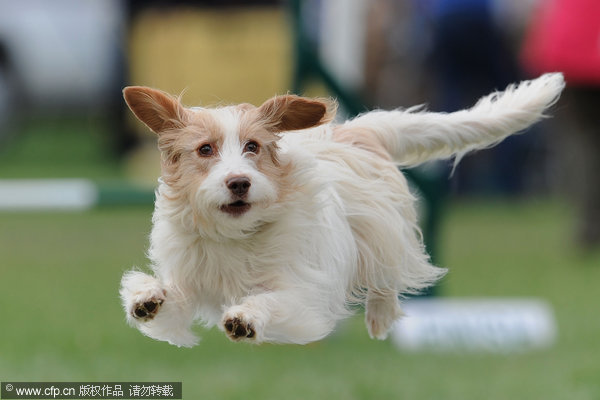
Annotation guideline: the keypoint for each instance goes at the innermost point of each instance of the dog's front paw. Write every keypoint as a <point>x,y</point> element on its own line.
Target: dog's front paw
<point>142,296</point>
<point>146,310</point>
<point>238,329</point>
<point>241,326</point>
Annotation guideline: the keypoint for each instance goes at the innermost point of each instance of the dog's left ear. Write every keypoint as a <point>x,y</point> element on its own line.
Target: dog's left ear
<point>290,112</point>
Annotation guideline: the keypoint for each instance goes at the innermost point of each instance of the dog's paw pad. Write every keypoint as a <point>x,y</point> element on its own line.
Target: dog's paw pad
<point>237,329</point>
<point>146,310</point>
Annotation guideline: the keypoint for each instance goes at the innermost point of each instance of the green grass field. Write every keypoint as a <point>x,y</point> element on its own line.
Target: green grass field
<point>62,321</point>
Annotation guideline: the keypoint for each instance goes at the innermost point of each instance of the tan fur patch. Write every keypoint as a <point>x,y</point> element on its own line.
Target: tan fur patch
<point>180,160</point>
<point>362,138</point>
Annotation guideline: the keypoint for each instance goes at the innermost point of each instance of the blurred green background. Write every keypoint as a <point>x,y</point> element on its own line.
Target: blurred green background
<point>62,320</point>
<point>60,271</point>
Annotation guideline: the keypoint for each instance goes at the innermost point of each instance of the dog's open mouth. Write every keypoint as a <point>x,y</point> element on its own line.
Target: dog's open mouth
<point>236,208</point>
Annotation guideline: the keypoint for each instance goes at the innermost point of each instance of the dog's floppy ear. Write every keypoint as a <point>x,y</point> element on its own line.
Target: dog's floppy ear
<point>290,112</point>
<point>158,110</point>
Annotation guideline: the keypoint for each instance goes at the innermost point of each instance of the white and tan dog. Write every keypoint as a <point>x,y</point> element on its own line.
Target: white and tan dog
<point>270,221</point>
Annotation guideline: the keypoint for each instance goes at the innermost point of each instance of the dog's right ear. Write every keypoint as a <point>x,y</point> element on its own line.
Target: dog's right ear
<point>158,110</point>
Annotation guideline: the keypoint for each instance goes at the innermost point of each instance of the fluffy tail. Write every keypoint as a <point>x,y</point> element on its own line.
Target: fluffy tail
<point>414,136</point>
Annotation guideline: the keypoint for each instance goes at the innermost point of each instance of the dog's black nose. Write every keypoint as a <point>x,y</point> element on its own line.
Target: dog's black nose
<point>238,185</point>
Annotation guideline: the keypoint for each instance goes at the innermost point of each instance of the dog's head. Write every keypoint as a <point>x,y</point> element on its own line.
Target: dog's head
<point>223,163</point>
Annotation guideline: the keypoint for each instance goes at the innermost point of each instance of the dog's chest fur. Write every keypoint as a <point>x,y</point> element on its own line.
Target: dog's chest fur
<point>311,231</point>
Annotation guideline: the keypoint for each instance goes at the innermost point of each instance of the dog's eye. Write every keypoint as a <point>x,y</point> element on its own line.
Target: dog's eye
<point>205,150</point>
<point>251,147</point>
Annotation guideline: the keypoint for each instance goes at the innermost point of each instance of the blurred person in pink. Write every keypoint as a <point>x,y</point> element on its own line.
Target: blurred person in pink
<point>564,35</point>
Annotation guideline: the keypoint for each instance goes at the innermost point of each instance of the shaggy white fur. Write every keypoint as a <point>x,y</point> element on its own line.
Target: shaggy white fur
<point>271,221</point>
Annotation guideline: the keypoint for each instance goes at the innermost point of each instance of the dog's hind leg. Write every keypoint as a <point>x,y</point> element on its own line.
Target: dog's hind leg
<point>382,310</point>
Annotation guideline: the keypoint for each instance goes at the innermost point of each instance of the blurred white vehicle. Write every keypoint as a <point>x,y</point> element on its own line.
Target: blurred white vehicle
<point>59,53</point>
